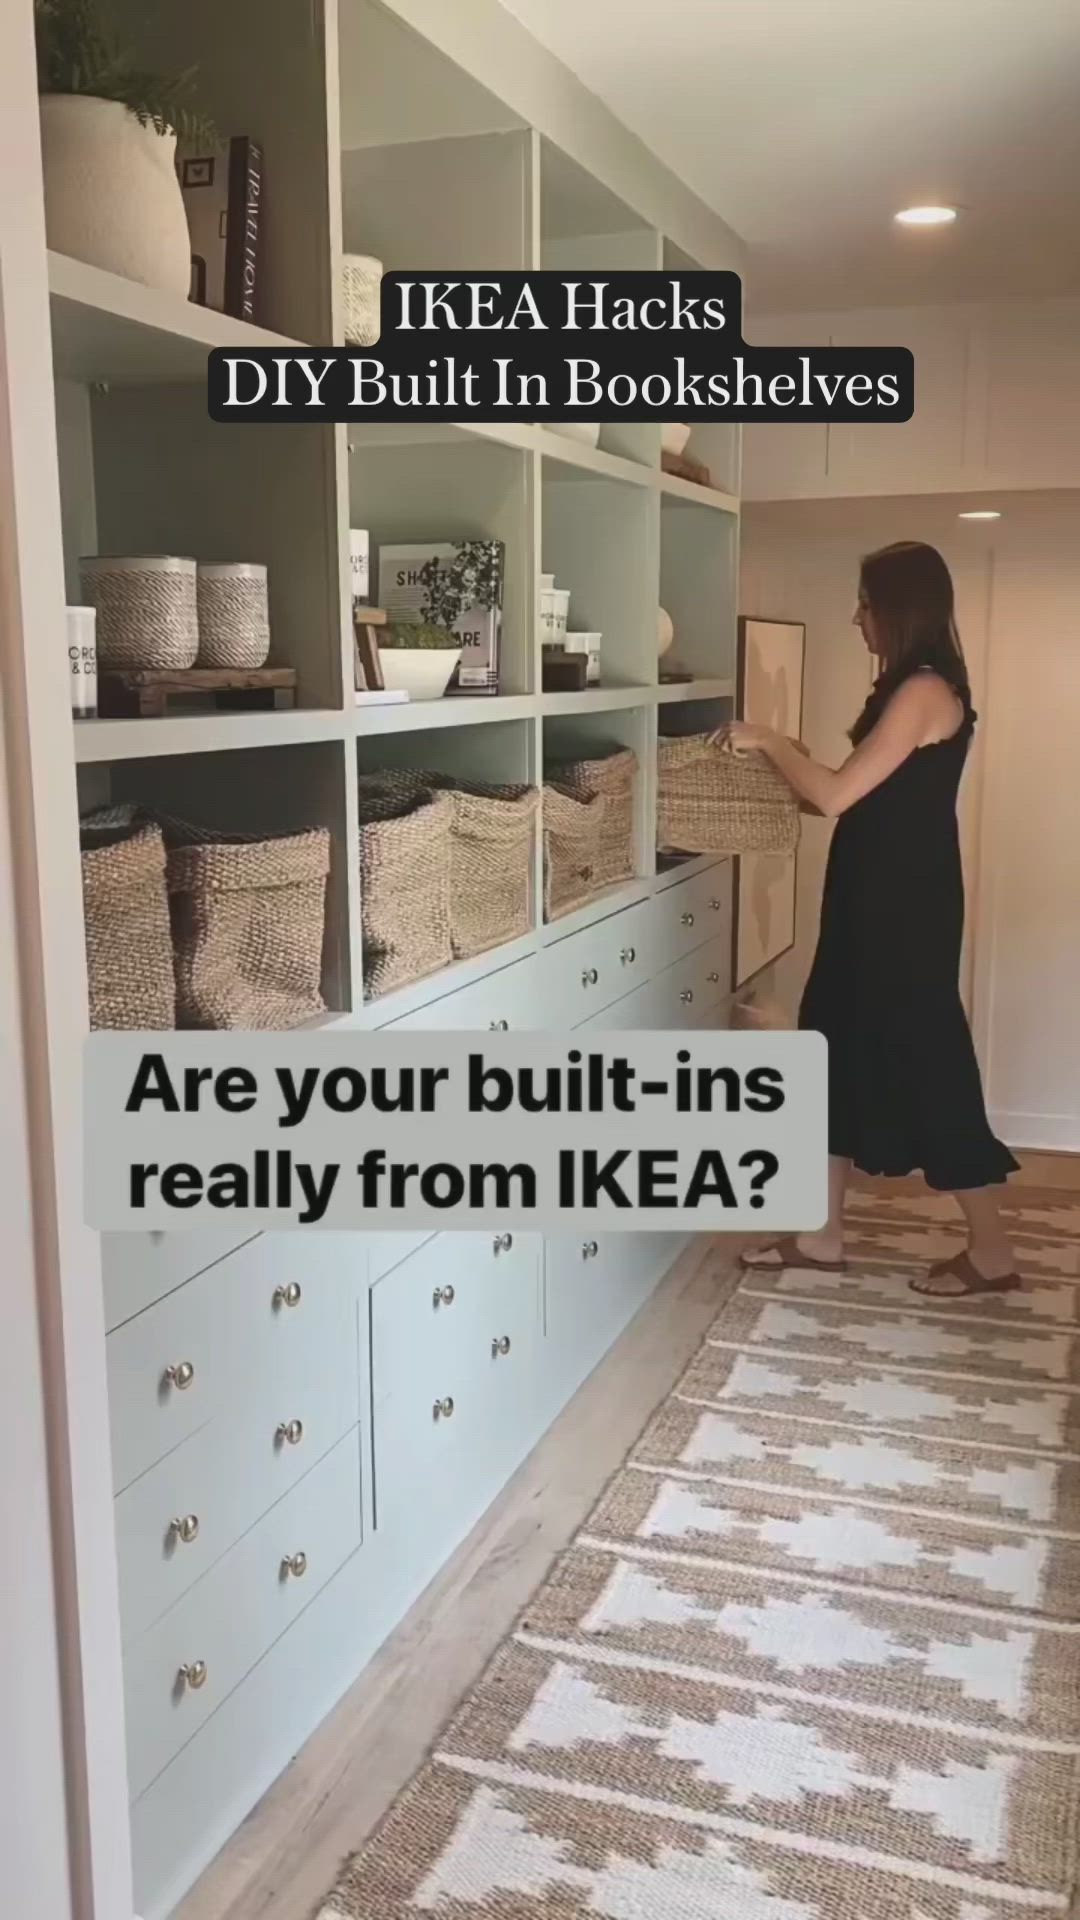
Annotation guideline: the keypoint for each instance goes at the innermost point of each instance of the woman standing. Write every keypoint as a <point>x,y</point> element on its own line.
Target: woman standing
<point>904,1089</point>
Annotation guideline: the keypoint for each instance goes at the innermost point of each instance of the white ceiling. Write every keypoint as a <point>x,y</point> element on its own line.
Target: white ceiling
<point>807,123</point>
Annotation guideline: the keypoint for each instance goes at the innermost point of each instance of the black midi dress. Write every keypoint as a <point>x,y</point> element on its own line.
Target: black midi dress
<point>904,1088</point>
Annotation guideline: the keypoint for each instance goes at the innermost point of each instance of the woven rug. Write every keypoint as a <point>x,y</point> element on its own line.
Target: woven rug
<point>816,1653</point>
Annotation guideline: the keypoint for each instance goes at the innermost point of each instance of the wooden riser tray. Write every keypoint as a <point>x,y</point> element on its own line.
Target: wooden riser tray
<point>150,692</point>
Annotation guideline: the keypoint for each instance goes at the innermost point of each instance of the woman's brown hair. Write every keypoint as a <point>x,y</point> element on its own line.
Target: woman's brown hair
<point>909,590</point>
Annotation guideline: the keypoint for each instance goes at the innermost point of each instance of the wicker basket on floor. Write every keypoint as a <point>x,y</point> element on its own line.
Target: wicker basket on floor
<point>248,917</point>
<point>573,823</point>
<point>129,960</point>
<point>614,776</point>
<point>709,801</point>
<point>404,879</point>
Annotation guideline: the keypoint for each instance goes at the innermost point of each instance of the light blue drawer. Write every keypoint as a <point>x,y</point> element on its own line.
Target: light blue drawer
<point>386,1250</point>
<point>209,1344</point>
<point>139,1268</point>
<point>446,1301</point>
<point>175,1522</point>
<point>593,1286</point>
<point>588,970</point>
<point>227,1622</point>
<point>510,997</point>
<point>691,912</point>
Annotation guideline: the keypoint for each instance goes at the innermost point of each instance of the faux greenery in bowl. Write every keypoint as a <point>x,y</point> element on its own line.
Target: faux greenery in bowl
<point>417,636</point>
<point>108,135</point>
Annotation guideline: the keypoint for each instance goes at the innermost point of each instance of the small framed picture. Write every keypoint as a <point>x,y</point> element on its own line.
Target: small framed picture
<point>369,676</point>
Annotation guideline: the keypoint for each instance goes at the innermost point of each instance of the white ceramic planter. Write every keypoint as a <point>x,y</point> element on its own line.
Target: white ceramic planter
<point>111,193</point>
<point>421,672</point>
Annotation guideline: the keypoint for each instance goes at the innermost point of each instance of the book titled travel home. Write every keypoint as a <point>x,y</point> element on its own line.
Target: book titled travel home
<point>456,584</point>
<point>223,199</point>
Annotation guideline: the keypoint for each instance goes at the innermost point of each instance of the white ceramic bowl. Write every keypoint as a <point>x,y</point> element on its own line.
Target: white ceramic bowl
<point>421,672</point>
<point>674,436</point>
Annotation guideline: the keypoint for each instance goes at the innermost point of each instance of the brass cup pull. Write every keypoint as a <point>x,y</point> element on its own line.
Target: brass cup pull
<point>186,1529</point>
<point>688,919</point>
<point>628,956</point>
<point>500,1345</point>
<point>443,1297</point>
<point>589,977</point>
<point>289,1433</point>
<point>502,1242</point>
<point>294,1564</point>
<point>287,1296</point>
<point>442,1409</point>
<point>713,978</point>
<point>180,1376</point>
<point>498,1026</point>
<point>589,1250</point>
<point>716,905</point>
<point>686,996</point>
<point>193,1675</point>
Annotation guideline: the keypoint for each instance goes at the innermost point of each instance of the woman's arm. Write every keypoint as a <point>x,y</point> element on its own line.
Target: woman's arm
<point>831,791</point>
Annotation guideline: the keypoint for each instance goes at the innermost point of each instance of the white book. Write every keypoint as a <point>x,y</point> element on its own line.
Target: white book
<point>382,697</point>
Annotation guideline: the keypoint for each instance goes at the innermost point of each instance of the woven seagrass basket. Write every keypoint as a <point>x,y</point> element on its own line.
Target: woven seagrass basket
<point>709,801</point>
<point>248,917</point>
<point>614,776</point>
<point>491,853</point>
<point>129,960</point>
<point>147,609</point>
<point>573,823</point>
<point>404,879</point>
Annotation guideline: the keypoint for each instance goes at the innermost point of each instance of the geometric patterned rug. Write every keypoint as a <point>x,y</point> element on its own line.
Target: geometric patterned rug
<point>816,1653</point>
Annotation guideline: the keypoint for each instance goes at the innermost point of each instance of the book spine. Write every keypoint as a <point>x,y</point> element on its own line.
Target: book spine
<point>242,225</point>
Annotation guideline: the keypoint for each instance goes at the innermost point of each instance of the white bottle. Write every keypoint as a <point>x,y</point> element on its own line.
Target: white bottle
<point>82,661</point>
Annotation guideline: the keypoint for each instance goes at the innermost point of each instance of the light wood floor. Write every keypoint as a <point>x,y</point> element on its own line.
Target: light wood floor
<point>287,1853</point>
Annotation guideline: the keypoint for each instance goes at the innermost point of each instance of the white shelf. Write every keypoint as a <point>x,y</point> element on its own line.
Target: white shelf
<point>109,329</point>
<point>596,700</point>
<point>689,493</point>
<point>456,710</point>
<point>704,689</point>
<point>98,741</point>
<point>592,462</point>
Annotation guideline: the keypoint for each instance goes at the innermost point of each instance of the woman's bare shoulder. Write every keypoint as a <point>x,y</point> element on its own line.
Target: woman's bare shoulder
<point>927,697</point>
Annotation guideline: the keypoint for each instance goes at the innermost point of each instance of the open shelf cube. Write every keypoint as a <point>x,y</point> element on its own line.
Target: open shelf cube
<point>698,577</point>
<point>599,539</point>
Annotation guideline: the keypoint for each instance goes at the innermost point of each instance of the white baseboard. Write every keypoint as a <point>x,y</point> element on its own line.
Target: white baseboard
<point>1038,1132</point>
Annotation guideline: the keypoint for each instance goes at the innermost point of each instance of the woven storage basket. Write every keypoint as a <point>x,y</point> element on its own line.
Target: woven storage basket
<point>234,624</point>
<point>573,823</point>
<point>613,775</point>
<point>491,840</point>
<point>129,961</point>
<point>248,918</point>
<point>361,288</point>
<point>147,609</point>
<point>709,801</point>
<point>404,879</point>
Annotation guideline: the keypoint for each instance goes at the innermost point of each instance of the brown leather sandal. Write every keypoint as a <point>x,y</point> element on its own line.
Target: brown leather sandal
<point>790,1254</point>
<point>963,1268</point>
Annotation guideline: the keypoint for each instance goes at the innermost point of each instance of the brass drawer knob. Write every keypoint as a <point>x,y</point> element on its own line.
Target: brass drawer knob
<point>688,919</point>
<point>628,956</point>
<point>193,1675</point>
<point>686,996</point>
<point>589,977</point>
<point>180,1376</point>
<point>186,1529</point>
<point>589,1250</point>
<point>500,1345</point>
<point>289,1433</point>
<point>716,905</point>
<point>714,978</point>
<point>502,1242</point>
<point>443,1297</point>
<point>287,1296</point>
<point>294,1564</point>
<point>498,1026</point>
<point>442,1409</point>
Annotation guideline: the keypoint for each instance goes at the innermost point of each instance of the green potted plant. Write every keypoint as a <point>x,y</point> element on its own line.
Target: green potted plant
<point>418,657</point>
<point>108,139</point>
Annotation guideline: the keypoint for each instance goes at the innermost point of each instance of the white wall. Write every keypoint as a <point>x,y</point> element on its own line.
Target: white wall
<point>1018,589</point>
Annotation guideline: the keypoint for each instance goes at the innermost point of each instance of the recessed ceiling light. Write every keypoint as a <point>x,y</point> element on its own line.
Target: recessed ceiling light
<point>983,513</point>
<point>926,216</point>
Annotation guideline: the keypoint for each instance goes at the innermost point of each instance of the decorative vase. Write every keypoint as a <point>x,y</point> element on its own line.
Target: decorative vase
<point>665,633</point>
<point>112,197</point>
<point>673,437</point>
<point>421,672</point>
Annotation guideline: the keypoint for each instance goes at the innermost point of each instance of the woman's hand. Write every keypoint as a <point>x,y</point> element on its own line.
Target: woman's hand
<point>738,736</point>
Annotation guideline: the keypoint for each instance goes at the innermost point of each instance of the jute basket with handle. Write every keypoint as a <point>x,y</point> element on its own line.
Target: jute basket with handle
<point>573,823</point>
<point>613,776</point>
<point>711,801</point>
<point>248,919</point>
<point>129,959</point>
<point>404,879</point>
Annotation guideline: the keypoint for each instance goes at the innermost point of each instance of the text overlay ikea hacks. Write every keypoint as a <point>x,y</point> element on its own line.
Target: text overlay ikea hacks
<point>711,1131</point>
